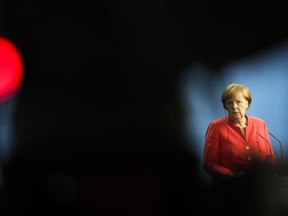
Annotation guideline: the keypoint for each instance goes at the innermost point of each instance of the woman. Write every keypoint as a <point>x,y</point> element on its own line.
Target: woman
<point>234,142</point>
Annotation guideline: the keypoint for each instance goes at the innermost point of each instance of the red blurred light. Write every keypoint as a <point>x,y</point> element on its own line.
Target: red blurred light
<point>11,69</point>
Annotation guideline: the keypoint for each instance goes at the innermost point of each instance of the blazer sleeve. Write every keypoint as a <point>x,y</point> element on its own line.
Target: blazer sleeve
<point>212,153</point>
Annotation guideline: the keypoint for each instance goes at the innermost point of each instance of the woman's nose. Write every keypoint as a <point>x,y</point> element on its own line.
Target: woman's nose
<point>234,105</point>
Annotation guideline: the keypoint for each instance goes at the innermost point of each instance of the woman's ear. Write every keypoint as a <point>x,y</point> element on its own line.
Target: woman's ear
<point>248,105</point>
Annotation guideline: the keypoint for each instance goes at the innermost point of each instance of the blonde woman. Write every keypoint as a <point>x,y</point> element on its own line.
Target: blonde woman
<point>235,141</point>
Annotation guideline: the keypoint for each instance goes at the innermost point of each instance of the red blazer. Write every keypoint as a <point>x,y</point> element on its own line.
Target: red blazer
<point>227,149</point>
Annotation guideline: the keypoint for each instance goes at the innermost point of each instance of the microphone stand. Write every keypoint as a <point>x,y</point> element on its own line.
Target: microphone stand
<point>281,154</point>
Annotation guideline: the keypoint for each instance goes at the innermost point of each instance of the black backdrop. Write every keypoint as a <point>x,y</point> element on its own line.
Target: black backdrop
<point>99,102</point>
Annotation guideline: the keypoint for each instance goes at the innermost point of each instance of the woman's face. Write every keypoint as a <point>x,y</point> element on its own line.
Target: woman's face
<point>236,106</point>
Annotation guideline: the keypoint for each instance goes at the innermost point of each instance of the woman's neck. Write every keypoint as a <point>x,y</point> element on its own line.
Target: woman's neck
<point>242,123</point>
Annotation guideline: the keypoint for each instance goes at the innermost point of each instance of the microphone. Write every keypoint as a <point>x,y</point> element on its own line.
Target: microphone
<point>281,155</point>
<point>268,143</point>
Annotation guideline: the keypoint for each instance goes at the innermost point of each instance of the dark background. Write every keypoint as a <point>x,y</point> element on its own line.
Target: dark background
<point>99,104</point>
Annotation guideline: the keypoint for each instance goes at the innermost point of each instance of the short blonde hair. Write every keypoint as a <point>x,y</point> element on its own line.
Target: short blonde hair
<point>234,88</point>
